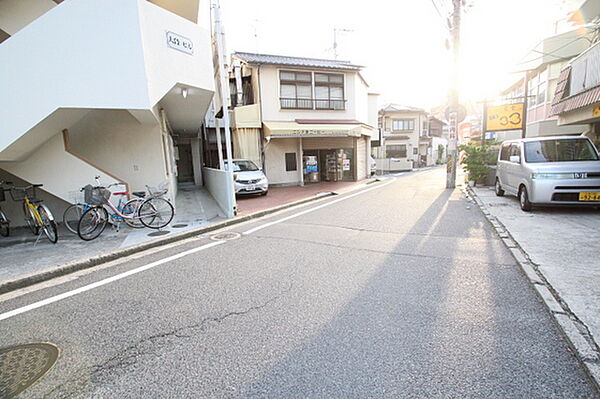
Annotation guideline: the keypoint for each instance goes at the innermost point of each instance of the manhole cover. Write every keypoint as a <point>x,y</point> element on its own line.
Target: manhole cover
<point>21,366</point>
<point>158,233</point>
<point>180,225</point>
<point>225,236</point>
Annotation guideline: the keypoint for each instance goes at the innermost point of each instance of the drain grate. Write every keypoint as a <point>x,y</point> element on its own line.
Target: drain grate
<point>158,233</point>
<point>179,225</point>
<point>225,236</point>
<point>22,365</point>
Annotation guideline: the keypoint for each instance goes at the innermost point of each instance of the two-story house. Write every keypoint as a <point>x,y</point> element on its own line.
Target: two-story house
<point>406,142</point>
<point>304,120</point>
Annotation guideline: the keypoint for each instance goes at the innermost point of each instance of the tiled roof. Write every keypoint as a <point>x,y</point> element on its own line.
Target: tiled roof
<point>402,108</point>
<point>296,61</point>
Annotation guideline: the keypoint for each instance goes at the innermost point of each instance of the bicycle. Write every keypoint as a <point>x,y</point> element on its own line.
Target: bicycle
<point>4,221</point>
<point>37,215</point>
<point>153,212</point>
<point>73,213</point>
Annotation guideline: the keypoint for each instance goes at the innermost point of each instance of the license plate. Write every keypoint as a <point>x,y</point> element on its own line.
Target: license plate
<point>251,187</point>
<point>589,196</point>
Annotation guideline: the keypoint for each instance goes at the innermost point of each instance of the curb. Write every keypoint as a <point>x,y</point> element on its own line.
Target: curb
<point>576,333</point>
<point>77,265</point>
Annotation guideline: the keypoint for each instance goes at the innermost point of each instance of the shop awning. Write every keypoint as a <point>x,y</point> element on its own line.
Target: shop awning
<point>293,129</point>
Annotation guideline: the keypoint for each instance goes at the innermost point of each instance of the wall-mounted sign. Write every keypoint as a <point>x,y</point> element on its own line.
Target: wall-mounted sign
<point>596,110</point>
<point>180,43</point>
<point>504,117</point>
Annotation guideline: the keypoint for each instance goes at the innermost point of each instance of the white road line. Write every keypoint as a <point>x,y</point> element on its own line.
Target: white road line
<point>100,283</point>
<point>262,226</point>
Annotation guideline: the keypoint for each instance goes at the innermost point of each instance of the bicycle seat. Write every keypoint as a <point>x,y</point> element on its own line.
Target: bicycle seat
<point>140,194</point>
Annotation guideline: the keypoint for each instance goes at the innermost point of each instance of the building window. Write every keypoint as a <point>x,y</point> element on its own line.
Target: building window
<point>395,151</point>
<point>403,124</point>
<point>290,162</point>
<point>329,91</point>
<point>415,151</point>
<point>295,90</point>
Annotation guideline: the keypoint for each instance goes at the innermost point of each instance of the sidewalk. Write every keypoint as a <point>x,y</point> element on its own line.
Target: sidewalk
<point>22,258</point>
<point>248,204</point>
<point>562,246</point>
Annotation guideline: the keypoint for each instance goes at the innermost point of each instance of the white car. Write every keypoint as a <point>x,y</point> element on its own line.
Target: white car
<point>563,170</point>
<point>249,178</point>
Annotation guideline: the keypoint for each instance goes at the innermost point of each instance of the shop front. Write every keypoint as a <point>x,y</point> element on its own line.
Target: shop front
<point>298,155</point>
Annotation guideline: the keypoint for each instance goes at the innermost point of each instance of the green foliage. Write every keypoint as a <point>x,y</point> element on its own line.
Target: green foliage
<point>441,150</point>
<point>476,160</point>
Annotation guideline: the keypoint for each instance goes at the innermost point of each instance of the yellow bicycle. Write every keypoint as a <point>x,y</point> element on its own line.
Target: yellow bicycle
<point>37,215</point>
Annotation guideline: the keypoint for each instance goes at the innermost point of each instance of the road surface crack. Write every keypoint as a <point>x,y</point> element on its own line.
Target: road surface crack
<point>145,347</point>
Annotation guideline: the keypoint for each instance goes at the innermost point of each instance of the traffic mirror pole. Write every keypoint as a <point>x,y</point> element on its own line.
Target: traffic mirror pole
<point>453,100</point>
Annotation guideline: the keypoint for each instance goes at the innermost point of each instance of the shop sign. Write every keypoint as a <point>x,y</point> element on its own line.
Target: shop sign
<point>596,110</point>
<point>504,117</point>
<point>180,43</point>
<point>346,166</point>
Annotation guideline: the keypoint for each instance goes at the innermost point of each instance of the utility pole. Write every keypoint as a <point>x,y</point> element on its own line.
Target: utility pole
<point>453,98</point>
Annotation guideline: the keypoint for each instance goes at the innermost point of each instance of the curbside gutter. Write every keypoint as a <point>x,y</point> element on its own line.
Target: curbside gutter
<point>77,265</point>
<point>576,333</point>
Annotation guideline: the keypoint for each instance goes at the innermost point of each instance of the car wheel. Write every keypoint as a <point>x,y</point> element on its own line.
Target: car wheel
<point>498,188</point>
<point>524,199</point>
<point>264,193</point>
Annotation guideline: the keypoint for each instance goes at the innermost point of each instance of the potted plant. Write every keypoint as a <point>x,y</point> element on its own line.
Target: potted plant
<point>475,160</point>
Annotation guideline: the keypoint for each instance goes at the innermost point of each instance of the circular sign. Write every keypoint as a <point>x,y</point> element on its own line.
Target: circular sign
<point>461,113</point>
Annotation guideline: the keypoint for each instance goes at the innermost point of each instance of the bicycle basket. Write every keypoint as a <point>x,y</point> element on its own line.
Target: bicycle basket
<point>96,195</point>
<point>161,190</point>
<point>19,193</point>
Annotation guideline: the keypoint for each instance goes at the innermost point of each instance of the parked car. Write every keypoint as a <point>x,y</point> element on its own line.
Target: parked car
<point>562,170</point>
<point>373,165</point>
<point>249,178</point>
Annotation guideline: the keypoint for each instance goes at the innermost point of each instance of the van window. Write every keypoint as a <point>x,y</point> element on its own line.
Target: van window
<point>561,150</point>
<point>504,152</point>
<point>515,149</point>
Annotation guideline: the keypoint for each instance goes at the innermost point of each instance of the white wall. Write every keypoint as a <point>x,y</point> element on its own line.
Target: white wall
<point>220,185</point>
<point>275,152</point>
<point>269,93</point>
<point>61,173</point>
<point>84,54</point>
<point>116,141</point>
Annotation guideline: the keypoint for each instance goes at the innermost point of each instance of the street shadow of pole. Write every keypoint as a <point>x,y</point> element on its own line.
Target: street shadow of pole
<point>461,322</point>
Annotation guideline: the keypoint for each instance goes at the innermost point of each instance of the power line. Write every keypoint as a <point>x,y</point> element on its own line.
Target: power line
<point>444,19</point>
<point>543,54</point>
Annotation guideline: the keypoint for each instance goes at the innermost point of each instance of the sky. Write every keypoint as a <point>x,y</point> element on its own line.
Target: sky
<point>400,42</point>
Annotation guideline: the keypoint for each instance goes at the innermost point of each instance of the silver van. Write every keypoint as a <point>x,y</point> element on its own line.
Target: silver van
<point>560,170</point>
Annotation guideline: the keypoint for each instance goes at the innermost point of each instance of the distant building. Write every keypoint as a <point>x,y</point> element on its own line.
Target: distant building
<point>406,143</point>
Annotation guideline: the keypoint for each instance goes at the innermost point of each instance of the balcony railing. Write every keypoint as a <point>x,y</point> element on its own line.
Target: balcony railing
<point>310,103</point>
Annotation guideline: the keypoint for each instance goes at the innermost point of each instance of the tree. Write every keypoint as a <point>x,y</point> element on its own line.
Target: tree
<point>476,160</point>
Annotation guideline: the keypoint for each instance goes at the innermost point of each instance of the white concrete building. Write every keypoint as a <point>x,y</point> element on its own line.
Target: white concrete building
<point>406,142</point>
<point>305,120</point>
<point>102,88</point>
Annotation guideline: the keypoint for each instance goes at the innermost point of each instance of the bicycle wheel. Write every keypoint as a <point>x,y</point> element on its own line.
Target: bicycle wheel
<point>92,223</point>
<point>156,213</point>
<point>131,209</point>
<point>30,219</point>
<point>4,230</point>
<point>71,217</point>
<point>49,227</point>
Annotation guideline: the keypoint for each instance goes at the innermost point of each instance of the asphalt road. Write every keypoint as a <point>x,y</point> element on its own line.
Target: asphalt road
<point>401,291</point>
